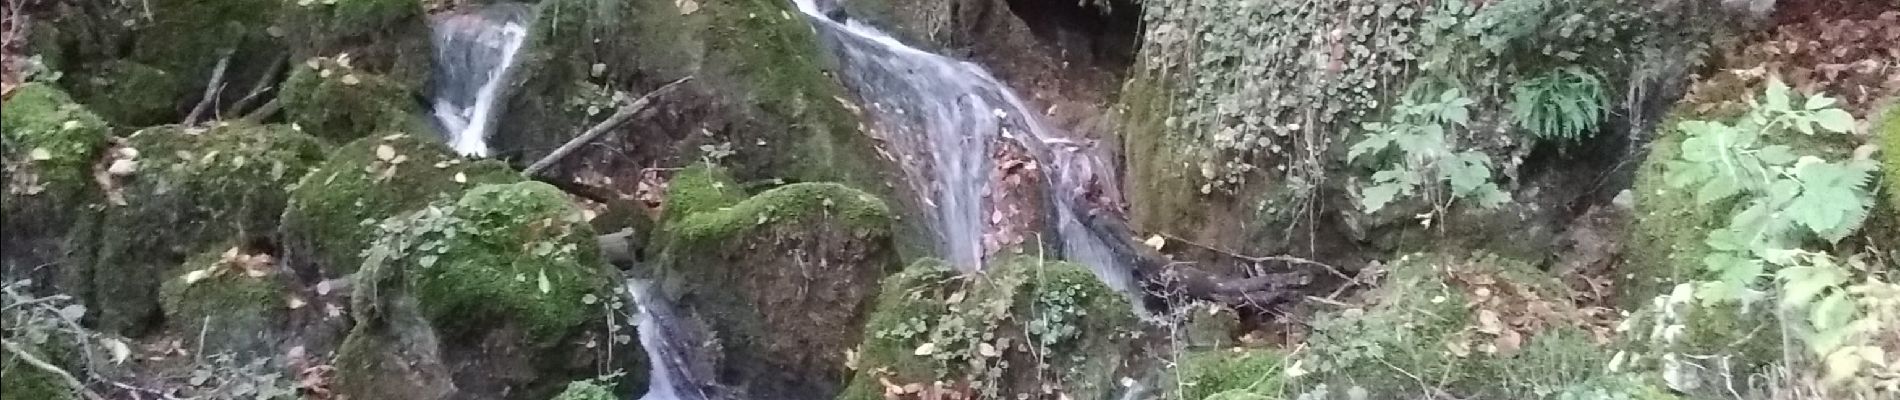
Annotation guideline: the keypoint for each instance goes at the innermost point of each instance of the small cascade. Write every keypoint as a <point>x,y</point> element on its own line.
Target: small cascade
<point>474,54</point>
<point>669,378</point>
<point>951,112</point>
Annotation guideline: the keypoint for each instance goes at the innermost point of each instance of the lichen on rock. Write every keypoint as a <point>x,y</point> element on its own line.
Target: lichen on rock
<point>332,213</point>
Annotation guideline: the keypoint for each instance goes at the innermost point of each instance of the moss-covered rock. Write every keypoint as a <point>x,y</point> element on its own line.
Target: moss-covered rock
<point>784,279</point>
<point>699,188</point>
<point>508,277</point>
<point>333,211</point>
<point>587,390</point>
<point>237,300</point>
<point>1024,324</point>
<point>1887,129</point>
<point>334,100</point>
<point>1224,373</point>
<point>48,144</point>
<point>201,189</point>
<point>383,37</point>
<point>131,94</point>
<point>186,38</point>
<point>1481,326</point>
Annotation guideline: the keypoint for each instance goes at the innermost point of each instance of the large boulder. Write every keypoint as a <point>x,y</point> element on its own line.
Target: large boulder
<point>384,37</point>
<point>236,298</point>
<point>1024,328</point>
<point>332,213</point>
<point>201,188</point>
<point>129,93</point>
<point>187,38</point>
<point>335,100</point>
<point>783,279</point>
<point>49,146</point>
<point>499,295</point>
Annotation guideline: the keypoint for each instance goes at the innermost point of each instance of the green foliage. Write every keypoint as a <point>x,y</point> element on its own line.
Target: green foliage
<point>1788,198</point>
<point>601,388</point>
<point>1215,372</point>
<point>1562,105</point>
<point>1423,156</point>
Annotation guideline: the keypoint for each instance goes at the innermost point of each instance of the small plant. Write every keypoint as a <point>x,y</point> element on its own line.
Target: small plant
<point>1419,132</point>
<point>1561,105</point>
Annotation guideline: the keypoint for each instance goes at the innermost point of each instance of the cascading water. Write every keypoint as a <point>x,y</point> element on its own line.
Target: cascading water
<point>669,378</point>
<point>952,111</point>
<point>474,54</point>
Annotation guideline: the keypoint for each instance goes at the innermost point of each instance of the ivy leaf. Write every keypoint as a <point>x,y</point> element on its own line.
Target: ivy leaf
<point>1835,120</point>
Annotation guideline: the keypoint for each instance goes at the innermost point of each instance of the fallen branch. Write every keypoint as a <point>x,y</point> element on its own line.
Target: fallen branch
<point>264,111</point>
<point>36,362</point>
<point>1260,259</point>
<point>211,88</point>
<point>619,117</point>
<point>264,83</point>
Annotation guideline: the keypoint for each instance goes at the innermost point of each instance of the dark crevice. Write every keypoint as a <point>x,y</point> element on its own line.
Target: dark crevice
<point>1100,33</point>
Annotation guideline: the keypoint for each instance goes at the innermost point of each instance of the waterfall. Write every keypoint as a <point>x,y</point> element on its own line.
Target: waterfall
<point>669,378</point>
<point>474,54</point>
<point>950,111</point>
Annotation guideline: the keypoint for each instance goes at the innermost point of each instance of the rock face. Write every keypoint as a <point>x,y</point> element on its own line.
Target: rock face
<point>201,189</point>
<point>333,212</point>
<point>782,279</point>
<point>129,93</point>
<point>499,295</point>
<point>334,100</point>
<point>389,38</point>
<point>49,149</point>
<point>1023,326</point>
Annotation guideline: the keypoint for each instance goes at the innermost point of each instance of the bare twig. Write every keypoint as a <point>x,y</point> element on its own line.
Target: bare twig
<point>36,362</point>
<point>264,111</point>
<point>264,83</point>
<point>211,88</point>
<point>1259,259</point>
<point>619,117</point>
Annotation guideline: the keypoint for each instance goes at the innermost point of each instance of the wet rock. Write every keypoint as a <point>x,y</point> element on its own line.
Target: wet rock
<point>334,100</point>
<point>783,279</point>
<point>130,94</point>
<point>201,188</point>
<point>50,145</point>
<point>1022,325</point>
<point>499,295</point>
<point>333,212</point>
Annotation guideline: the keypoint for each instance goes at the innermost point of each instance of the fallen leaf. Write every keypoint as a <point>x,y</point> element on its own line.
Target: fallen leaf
<point>1458,348</point>
<point>40,154</point>
<point>295,302</point>
<point>927,348</point>
<point>385,153</point>
<point>543,283</point>
<point>1488,322</point>
<point>351,80</point>
<point>987,350</point>
<point>120,352</point>
<point>1156,242</point>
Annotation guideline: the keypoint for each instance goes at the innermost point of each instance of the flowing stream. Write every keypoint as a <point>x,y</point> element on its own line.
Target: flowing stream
<point>474,54</point>
<point>951,112</point>
<point>669,378</point>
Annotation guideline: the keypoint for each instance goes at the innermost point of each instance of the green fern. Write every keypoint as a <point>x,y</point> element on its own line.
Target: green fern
<point>1566,104</point>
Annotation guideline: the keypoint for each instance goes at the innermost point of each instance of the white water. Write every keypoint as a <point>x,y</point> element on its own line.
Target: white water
<point>474,55</point>
<point>668,377</point>
<point>942,115</point>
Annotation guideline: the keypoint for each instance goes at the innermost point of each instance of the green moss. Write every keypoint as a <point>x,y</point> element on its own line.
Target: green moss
<point>338,102</point>
<point>26,382</point>
<point>1222,373</point>
<point>383,37</point>
<point>699,188</point>
<point>200,189</point>
<point>333,211</point>
<point>513,252</point>
<point>131,94</point>
<point>1056,309</point>
<point>50,144</point>
<point>587,390</point>
<point>237,312</point>
<point>1424,309</point>
<point>1161,186</point>
<point>1888,132</point>
<point>186,38</point>
<point>857,210</point>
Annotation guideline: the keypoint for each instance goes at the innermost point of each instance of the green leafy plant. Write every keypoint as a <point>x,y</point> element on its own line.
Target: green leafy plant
<point>1784,203</point>
<point>1423,156</point>
<point>1565,104</point>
